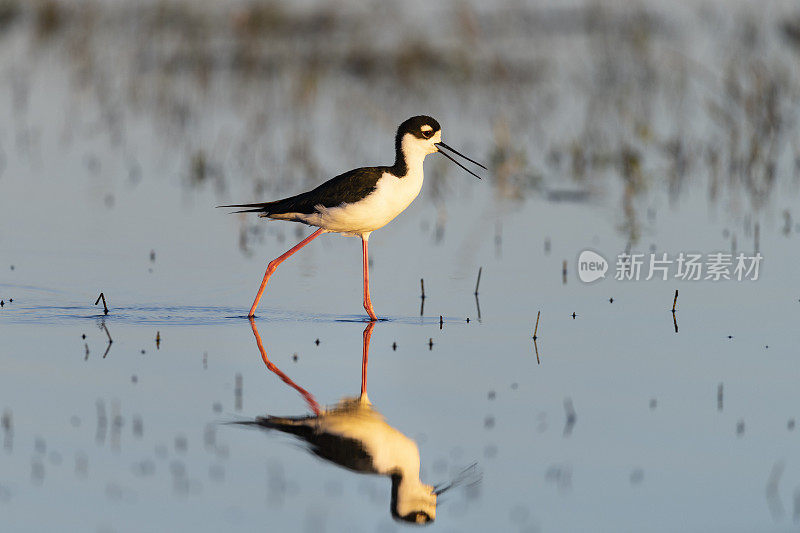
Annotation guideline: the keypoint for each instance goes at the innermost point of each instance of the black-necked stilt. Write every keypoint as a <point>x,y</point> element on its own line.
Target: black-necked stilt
<point>362,200</point>
<point>352,434</point>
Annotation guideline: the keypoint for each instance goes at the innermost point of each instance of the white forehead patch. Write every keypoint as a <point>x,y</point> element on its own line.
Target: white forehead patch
<point>426,127</point>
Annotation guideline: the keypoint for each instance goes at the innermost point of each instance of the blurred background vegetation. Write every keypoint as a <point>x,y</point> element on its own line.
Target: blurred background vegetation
<point>620,102</point>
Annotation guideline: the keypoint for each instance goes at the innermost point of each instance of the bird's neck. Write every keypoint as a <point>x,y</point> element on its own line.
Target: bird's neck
<point>407,160</point>
<point>410,494</point>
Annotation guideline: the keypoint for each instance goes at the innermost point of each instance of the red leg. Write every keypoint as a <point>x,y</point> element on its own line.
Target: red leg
<point>365,358</point>
<point>367,300</point>
<point>312,403</point>
<point>274,265</point>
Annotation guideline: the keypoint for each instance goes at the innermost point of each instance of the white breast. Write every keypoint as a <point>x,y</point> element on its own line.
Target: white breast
<point>390,197</point>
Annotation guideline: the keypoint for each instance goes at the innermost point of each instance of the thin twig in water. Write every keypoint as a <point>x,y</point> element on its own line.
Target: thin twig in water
<point>105,307</point>
<point>675,300</point>
<point>421,296</point>
<point>110,340</point>
<point>536,336</point>
<point>478,283</point>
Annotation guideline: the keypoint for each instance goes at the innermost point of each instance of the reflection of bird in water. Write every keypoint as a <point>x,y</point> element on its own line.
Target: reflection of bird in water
<point>362,200</point>
<point>354,435</point>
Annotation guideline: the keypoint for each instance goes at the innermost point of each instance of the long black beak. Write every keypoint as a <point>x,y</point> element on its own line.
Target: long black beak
<point>471,475</point>
<point>441,145</point>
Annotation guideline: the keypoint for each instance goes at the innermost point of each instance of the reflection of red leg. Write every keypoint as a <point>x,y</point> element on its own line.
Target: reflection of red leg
<point>274,264</point>
<point>367,301</point>
<point>365,358</point>
<point>312,403</point>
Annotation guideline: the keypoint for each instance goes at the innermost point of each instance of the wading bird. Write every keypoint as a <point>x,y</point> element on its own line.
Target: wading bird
<point>362,200</point>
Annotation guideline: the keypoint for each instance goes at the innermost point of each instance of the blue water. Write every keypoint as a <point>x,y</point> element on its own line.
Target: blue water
<point>610,421</point>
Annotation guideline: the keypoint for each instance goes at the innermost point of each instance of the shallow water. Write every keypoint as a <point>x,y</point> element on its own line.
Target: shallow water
<point>611,421</point>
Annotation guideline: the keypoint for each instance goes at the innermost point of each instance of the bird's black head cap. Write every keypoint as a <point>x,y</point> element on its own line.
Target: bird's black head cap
<point>421,127</point>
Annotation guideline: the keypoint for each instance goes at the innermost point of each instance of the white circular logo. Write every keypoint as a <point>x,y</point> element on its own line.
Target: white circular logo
<point>591,266</point>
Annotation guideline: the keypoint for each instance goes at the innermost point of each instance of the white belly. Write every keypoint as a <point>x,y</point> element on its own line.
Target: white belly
<point>390,197</point>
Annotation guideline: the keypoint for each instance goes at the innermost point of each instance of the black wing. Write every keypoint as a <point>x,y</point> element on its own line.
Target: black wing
<point>345,188</point>
<point>343,451</point>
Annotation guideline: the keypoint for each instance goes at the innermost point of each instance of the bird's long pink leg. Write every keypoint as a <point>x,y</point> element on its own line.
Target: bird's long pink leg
<point>367,300</point>
<point>365,358</point>
<point>274,265</point>
<point>312,403</point>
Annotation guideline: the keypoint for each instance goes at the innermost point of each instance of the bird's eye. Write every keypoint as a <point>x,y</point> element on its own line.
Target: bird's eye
<point>427,133</point>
